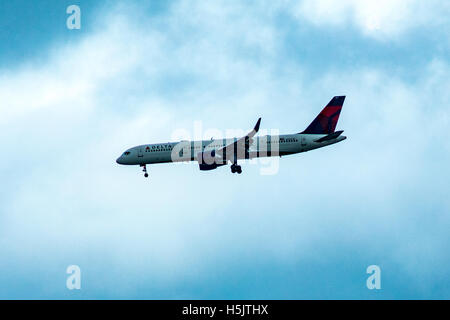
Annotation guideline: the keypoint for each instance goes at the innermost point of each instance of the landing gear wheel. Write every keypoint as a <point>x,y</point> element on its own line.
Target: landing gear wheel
<point>144,170</point>
<point>235,168</point>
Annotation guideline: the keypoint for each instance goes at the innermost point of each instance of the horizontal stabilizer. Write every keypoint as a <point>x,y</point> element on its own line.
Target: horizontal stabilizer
<point>331,136</point>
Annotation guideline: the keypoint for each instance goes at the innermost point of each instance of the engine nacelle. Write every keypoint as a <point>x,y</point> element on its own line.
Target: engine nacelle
<point>206,167</point>
<point>208,160</point>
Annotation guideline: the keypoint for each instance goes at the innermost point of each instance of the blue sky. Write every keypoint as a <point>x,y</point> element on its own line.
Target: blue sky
<point>136,72</point>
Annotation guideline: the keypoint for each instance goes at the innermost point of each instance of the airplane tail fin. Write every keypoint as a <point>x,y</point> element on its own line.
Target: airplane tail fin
<point>326,121</point>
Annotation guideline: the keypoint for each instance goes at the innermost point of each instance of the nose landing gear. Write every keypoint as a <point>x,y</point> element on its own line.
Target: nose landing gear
<point>235,168</point>
<point>144,170</point>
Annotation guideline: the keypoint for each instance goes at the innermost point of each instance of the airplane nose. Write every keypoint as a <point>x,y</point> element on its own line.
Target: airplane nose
<point>119,160</point>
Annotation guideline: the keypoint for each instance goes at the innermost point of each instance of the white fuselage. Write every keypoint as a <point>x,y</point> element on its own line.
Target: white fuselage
<point>264,146</point>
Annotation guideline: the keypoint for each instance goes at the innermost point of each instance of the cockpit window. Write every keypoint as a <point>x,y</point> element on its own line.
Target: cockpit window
<point>126,153</point>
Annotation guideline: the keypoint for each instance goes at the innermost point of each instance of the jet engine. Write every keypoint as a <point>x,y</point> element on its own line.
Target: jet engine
<point>208,160</point>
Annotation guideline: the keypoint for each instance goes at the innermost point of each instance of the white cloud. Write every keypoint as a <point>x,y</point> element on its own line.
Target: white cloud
<point>65,122</point>
<point>382,19</point>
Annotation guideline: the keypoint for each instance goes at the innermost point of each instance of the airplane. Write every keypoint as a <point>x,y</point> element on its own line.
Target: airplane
<point>211,154</point>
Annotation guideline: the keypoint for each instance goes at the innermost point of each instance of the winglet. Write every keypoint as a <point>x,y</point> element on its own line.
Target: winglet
<point>255,129</point>
<point>257,125</point>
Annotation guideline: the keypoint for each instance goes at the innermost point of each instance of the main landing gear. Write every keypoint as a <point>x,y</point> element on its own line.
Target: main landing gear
<point>235,168</point>
<point>144,170</point>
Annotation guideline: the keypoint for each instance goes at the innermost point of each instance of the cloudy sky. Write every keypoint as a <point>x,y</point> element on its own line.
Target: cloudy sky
<point>139,71</point>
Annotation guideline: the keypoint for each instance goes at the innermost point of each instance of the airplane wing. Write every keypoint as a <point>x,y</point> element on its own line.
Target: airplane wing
<point>239,148</point>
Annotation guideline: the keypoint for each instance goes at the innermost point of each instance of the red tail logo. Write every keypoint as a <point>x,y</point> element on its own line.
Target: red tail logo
<point>326,121</point>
